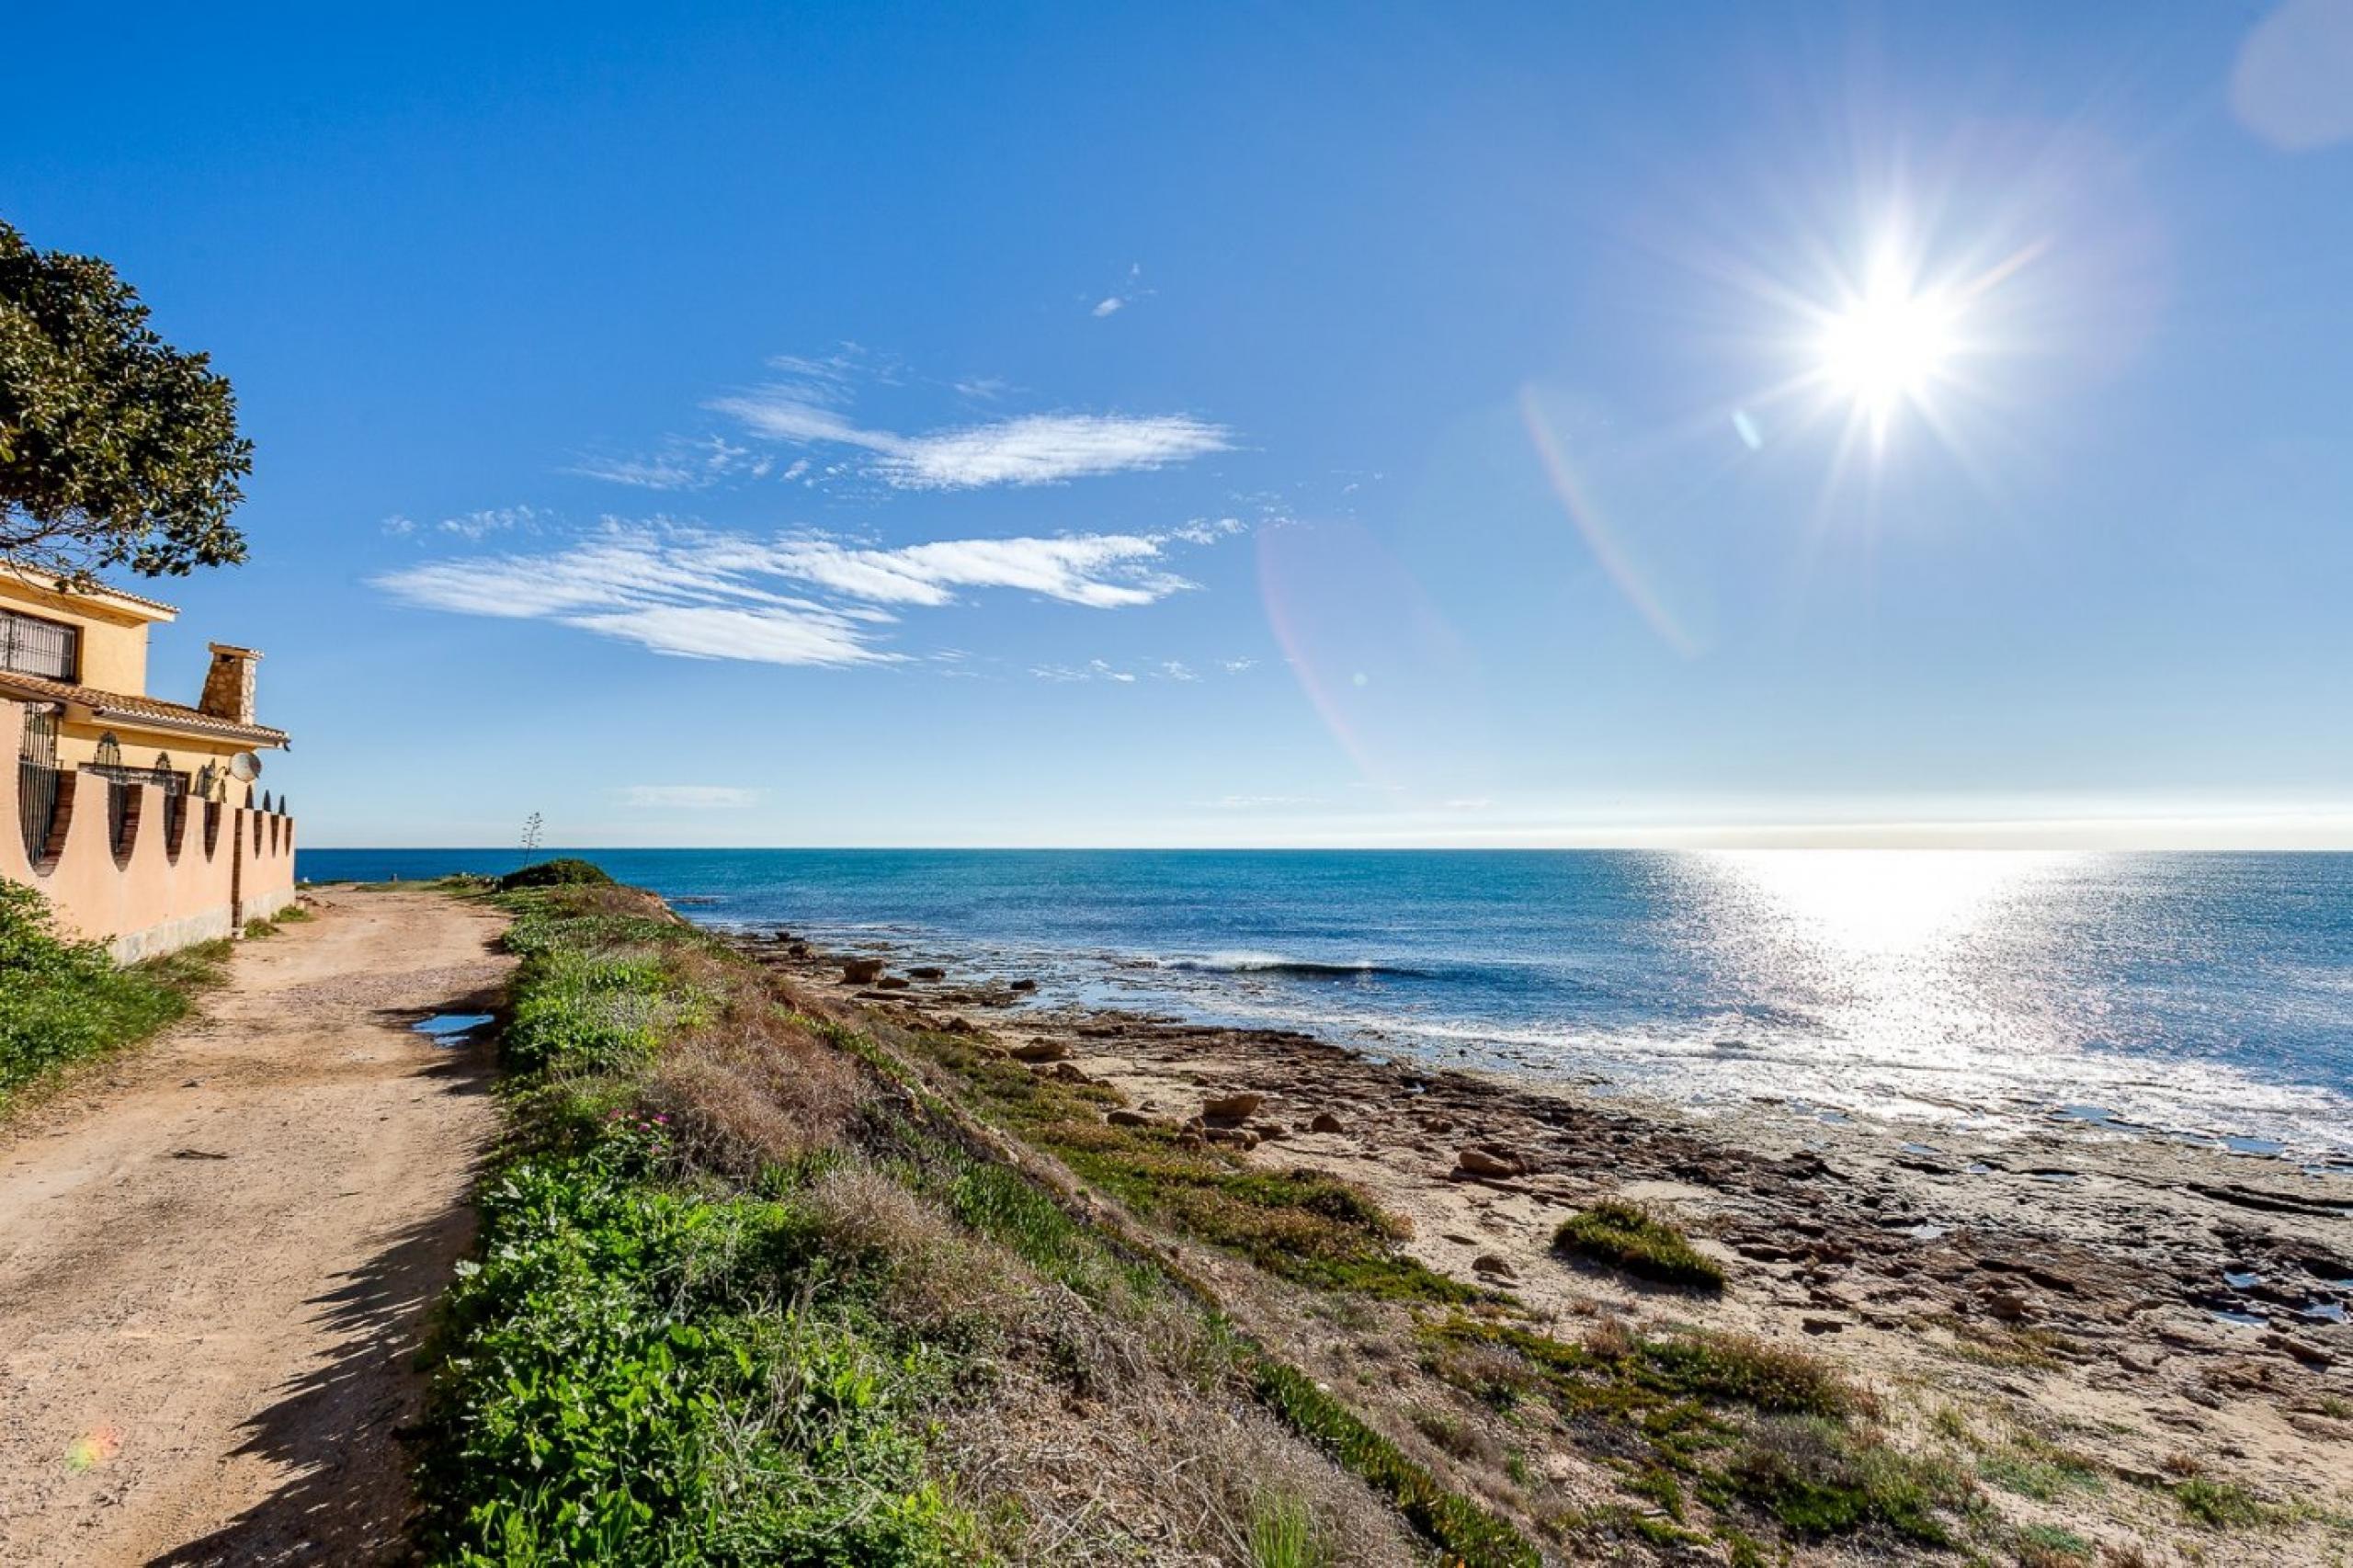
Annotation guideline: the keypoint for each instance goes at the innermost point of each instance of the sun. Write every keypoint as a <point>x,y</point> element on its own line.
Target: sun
<point>1888,347</point>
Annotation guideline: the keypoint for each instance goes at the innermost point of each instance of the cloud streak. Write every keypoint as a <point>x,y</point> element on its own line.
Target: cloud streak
<point>1035,449</point>
<point>805,599</point>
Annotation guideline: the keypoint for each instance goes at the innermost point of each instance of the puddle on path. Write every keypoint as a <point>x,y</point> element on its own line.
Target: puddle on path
<point>451,1029</point>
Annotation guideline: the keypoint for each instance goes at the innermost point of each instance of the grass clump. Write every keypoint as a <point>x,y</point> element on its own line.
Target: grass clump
<point>1634,1240</point>
<point>63,1001</point>
<point>1467,1533</point>
<point>2051,1546</point>
<point>1282,1535</point>
<point>1818,1477</point>
<point>2224,1506</point>
<point>566,870</point>
<point>1302,1225</point>
<point>1745,1423</point>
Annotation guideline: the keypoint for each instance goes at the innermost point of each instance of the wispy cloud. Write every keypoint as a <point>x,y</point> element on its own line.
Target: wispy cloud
<point>679,464</point>
<point>1103,669</point>
<point>1035,449</point>
<point>689,797</point>
<point>1129,290</point>
<point>473,525</point>
<point>805,598</point>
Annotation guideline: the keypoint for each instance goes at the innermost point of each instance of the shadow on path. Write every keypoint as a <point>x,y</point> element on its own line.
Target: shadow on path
<point>338,1429</point>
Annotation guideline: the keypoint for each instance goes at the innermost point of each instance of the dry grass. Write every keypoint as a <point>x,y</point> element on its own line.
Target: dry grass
<point>1160,1473</point>
<point>751,1090</point>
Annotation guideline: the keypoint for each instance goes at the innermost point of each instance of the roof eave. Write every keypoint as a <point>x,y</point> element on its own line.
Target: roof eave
<point>218,728</point>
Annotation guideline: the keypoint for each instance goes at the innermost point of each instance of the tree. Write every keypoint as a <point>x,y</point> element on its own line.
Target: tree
<point>116,448</point>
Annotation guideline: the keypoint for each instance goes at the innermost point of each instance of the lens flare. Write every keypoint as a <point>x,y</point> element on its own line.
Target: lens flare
<point>93,1448</point>
<point>1594,529</point>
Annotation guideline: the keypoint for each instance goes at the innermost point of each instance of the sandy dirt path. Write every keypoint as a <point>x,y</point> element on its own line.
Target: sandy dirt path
<point>216,1258</point>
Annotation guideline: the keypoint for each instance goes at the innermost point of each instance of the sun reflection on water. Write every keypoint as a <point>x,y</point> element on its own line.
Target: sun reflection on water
<point>1892,966</point>
<point>1885,902</point>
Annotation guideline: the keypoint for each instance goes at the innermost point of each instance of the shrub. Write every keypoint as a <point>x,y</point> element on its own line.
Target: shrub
<point>63,1000</point>
<point>615,1387</point>
<point>1635,1241</point>
<point>563,871</point>
<point>1818,1479</point>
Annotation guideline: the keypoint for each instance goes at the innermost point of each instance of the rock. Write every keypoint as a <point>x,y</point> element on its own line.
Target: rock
<point>2008,1305</point>
<point>1023,986</point>
<point>1495,1264</point>
<point>891,983</point>
<point>1326,1122</point>
<point>861,972</point>
<point>1475,1160</point>
<point>783,936</point>
<point>1237,1137</point>
<point>1130,1119</point>
<point>1232,1108</point>
<point>1069,1074</point>
<point>2310,1355</point>
<point>929,973</point>
<point>1821,1325</point>
<point>1042,1050</point>
<point>1188,1139</point>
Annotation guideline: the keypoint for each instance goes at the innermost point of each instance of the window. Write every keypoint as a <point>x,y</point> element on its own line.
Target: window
<point>34,647</point>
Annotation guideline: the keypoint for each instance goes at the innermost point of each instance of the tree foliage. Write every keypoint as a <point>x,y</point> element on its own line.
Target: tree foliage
<point>116,449</point>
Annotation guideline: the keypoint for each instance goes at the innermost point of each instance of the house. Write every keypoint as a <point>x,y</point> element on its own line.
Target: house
<point>137,817</point>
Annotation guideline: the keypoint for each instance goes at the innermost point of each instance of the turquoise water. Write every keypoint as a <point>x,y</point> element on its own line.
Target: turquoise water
<point>2192,994</point>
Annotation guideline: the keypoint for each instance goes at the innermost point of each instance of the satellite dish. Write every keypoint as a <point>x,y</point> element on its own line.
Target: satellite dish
<point>245,768</point>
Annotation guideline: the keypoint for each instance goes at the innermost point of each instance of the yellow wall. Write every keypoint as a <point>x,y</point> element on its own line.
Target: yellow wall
<point>114,637</point>
<point>77,744</point>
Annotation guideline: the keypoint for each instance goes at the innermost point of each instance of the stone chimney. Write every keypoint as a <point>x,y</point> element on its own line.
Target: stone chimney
<point>229,684</point>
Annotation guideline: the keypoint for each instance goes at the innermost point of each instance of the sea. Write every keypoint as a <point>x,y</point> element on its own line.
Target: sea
<point>2206,997</point>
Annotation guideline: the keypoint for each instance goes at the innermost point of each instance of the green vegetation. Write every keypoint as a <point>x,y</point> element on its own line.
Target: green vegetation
<point>1743,1424</point>
<point>116,448</point>
<point>2035,1467</point>
<point>1300,1225</point>
<point>2222,1506</point>
<point>1282,1535</point>
<point>562,873</point>
<point>640,1372</point>
<point>745,1295</point>
<point>2051,1545</point>
<point>1635,1241</point>
<point>62,1001</point>
<point>1469,1534</point>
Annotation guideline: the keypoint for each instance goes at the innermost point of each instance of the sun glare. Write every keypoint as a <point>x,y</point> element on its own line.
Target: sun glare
<point>1888,347</point>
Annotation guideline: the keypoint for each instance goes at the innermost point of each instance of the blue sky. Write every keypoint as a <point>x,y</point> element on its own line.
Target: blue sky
<point>1255,425</point>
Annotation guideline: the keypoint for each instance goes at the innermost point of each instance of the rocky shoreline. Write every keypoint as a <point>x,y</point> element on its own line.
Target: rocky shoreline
<point>2181,1309</point>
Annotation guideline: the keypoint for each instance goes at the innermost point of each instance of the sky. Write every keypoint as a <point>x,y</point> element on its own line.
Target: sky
<point>1387,426</point>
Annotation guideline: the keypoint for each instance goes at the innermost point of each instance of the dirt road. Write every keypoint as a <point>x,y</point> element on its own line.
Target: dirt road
<point>215,1260</point>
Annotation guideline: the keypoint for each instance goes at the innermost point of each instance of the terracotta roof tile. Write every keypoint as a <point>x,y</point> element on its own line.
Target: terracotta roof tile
<point>105,702</point>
